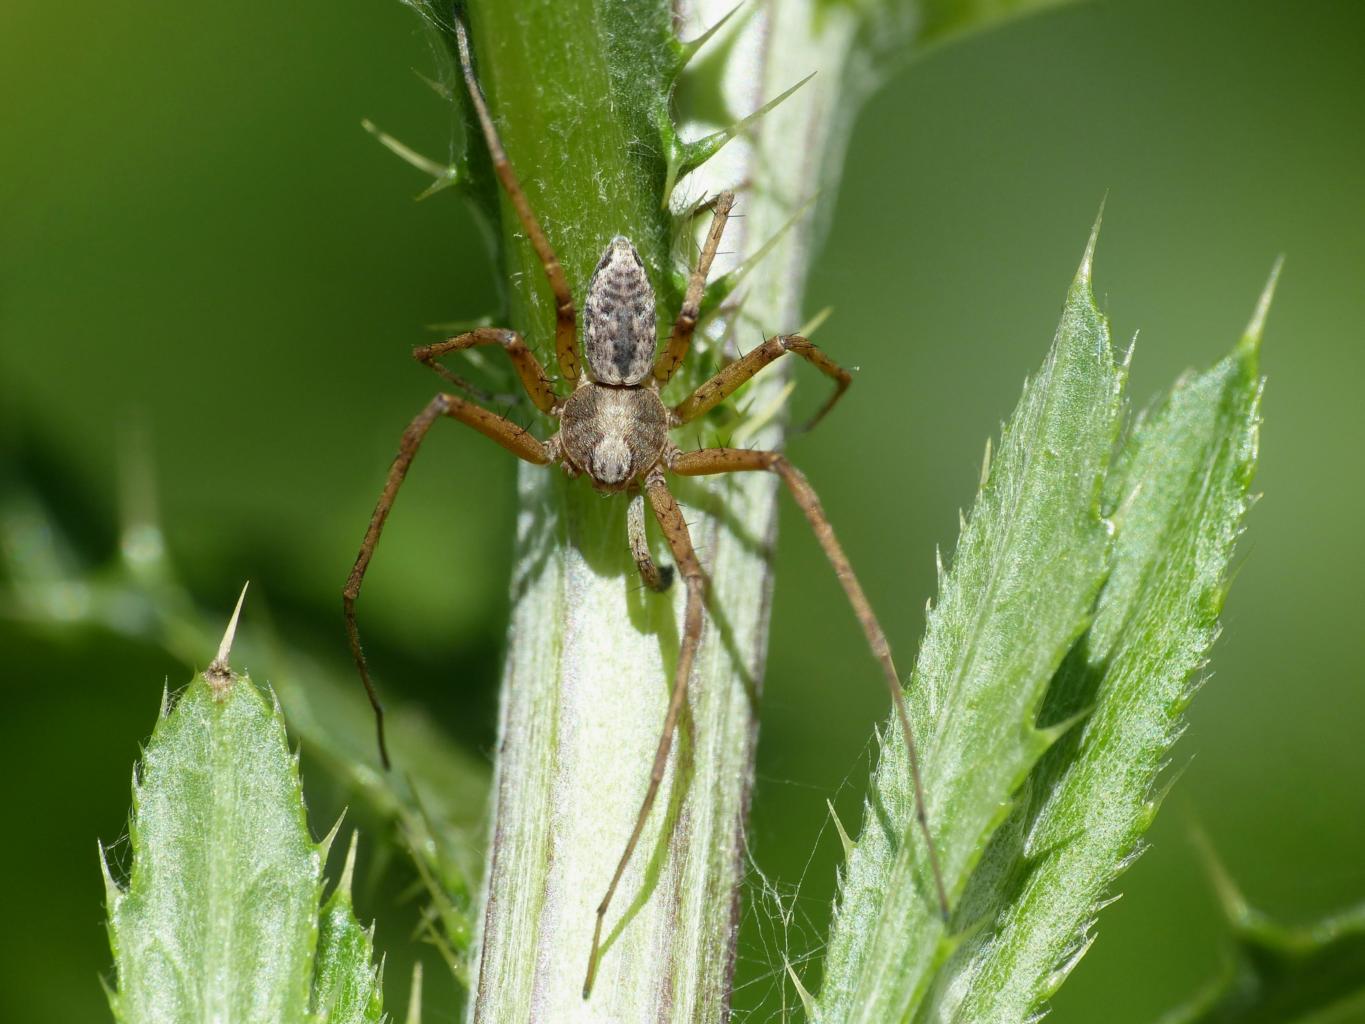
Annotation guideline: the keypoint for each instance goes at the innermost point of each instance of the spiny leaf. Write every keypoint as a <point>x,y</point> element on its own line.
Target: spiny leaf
<point>1283,974</point>
<point>1180,490</point>
<point>1029,562</point>
<point>346,987</point>
<point>219,921</point>
<point>686,157</point>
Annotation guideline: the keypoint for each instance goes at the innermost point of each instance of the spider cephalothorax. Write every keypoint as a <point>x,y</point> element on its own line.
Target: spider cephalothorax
<point>613,428</point>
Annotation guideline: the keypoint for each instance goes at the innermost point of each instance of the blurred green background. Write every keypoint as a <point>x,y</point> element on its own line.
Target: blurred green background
<point>200,245</point>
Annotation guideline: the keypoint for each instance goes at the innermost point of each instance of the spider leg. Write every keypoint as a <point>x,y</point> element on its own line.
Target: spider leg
<point>528,367</point>
<point>681,339</point>
<point>658,578</point>
<point>670,518</point>
<point>728,380</point>
<point>710,461</point>
<point>566,347</point>
<point>506,433</point>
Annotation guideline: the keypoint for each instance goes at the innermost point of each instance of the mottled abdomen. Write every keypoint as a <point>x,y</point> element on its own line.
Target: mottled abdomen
<point>613,434</point>
<point>618,317</point>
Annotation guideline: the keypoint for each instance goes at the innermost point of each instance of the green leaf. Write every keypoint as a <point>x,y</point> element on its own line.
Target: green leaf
<point>1029,562</point>
<point>1180,491</point>
<point>347,988</point>
<point>437,802</point>
<point>219,921</point>
<point>1283,974</point>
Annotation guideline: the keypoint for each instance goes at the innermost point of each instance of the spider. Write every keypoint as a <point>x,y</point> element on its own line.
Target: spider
<point>614,429</point>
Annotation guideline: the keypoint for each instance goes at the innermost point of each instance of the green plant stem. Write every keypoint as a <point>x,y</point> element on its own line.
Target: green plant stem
<point>590,652</point>
<point>580,91</point>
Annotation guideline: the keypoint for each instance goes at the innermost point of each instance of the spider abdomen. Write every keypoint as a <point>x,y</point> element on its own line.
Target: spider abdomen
<point>612,434</point>
<point>618,317</point>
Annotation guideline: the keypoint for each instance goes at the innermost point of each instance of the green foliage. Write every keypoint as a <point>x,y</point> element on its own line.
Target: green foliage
<point>1175,499</point>
<point>435,804</point>
<point>220,917</point>
<point>1178,493</point>
<point>1033,814</point>
<point>1029,562</point>
<point>348,989</point>
<point>1282,974</point>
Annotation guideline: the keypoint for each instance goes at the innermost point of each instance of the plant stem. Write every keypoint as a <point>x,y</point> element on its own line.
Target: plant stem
<point>581,90</point>
<point>590,651</point>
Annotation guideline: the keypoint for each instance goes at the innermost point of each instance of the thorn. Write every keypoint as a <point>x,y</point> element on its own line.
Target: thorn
<point>229,634</point>
<point>839,827</point>
<point>1232,902</point>
<point>985,467</point>
<point>1252,338</point>
<point>815,323</point>
<point>112,892</point>
<point>807,1003</point>
<point>1088,260</point>
<point>444,175</point>
<point>439,88</point>
<point>1127,360</point>
<point>689,49</point>
<point>348,871</point>
<point>687,158</point>
<point>325,847</point>
<point>732,280</point>
<point>218,674</point>
<point>415,995</point>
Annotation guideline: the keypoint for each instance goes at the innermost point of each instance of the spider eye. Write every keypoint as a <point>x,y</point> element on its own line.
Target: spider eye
<point>618,317</point>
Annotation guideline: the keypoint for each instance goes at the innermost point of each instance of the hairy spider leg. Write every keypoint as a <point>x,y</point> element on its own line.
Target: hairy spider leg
<point>528,367</point>
<point>658,578</point>
<point>680,340</point>
<point>674,527</point>
<point>728,380</point>
<point>709,461</point>
<point>514,438</point>
<point>566,343</point>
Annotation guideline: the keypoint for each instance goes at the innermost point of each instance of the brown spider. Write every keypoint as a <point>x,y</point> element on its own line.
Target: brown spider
<point>613,429</point>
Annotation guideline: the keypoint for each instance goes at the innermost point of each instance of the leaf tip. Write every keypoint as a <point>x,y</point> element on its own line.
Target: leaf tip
<point>1083,275</point>
<point>325,847</point>
<point>1251,338</point>
<point>348,872</point>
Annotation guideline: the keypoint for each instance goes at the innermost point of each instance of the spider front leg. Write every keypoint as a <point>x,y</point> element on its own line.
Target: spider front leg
<point>674,527</point>
<point>728,381</point>
<point>710,461</point>
<point>506,433</point>
<point>566,331</point>
<point>685,326</point>
<point>532,374</point>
